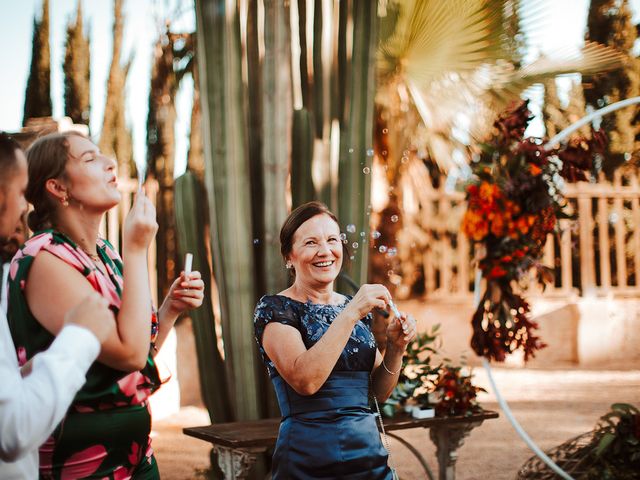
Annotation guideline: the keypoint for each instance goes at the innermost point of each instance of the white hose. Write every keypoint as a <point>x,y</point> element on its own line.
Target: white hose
<point>592,116</point>
<point>476,291</point>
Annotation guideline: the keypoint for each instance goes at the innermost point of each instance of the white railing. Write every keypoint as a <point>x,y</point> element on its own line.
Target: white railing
<point>597,253</point>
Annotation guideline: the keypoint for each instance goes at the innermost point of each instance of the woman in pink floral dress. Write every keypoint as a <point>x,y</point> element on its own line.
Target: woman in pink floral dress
<point>105,434</point>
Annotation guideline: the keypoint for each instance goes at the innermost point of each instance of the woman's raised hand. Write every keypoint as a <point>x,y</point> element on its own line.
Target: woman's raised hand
<point>186,293</point>
<point>401,331</point>
<point>369,296</point>
<point>140,226</point>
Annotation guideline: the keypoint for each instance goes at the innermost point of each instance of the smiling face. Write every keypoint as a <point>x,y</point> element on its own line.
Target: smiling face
<point>90,176</point>
<point>316,253</point>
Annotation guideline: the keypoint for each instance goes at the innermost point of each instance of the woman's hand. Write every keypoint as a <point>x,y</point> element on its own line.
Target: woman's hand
<point>140,226</point>
<point>186,293</point>
<point>369,296</point>
<point>401,332</point>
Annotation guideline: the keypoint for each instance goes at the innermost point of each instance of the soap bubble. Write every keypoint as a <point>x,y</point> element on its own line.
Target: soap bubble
<point>375,234</point>
<point>382,248</point>
<point>355,245</point>
<point>366,170</point>
<point>351,228</point>
<point>394,218</point>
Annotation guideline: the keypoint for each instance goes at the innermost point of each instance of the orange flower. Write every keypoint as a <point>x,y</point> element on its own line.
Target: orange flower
<point>523,225</point>
<point>534,169</point>
<point>497,225</point>
<point>475,226</point>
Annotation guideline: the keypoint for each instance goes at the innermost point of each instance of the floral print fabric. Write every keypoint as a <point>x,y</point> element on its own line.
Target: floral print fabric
<point>112,405</point>
<point>312,321</point>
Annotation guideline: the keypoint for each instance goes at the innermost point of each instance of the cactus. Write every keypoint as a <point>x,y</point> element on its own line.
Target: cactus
<point>302,189</point>
<point>190,202</point>
<point>356,150</point>
<point>227,178</point>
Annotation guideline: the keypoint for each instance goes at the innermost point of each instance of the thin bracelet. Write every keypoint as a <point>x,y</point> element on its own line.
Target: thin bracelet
<point>389,371</point>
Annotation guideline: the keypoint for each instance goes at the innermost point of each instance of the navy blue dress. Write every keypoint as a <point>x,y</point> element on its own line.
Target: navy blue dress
<point>332,433</point>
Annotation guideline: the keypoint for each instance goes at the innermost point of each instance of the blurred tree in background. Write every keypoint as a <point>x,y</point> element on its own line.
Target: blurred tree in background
<point>37,98</point>
<point>609,23</point>
<point>115,137</point>
<point>77,68</point>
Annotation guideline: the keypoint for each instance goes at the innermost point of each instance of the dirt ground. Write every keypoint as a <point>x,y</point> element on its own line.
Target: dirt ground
<point>551,405</point>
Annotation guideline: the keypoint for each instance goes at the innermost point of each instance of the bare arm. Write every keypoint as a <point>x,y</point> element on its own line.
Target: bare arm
<point>400,333</point>
<point>186,293</point>
<point>127,345</point>
<point>307,370</point>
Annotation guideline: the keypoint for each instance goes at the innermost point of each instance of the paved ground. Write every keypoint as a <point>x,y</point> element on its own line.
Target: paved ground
<point>552,406</point>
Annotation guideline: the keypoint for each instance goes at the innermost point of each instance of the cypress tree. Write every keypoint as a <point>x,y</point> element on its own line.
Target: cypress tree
<point>37,99</point>
<point>115,137</point>
<point>77,71</point>
<point>609,22</point>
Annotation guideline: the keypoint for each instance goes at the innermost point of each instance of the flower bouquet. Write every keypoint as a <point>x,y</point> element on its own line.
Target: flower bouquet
<point>456,392</point>
<point>514,200</point>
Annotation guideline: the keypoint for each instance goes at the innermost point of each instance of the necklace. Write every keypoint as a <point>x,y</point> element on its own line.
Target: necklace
<point>94,256</point>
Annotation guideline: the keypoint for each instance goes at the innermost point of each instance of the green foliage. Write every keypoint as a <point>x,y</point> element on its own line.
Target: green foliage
<point>76,68</point>
<point>37,98</point>
<point>610,23</point>
<point>616,447</point>
<point>115,137</point>
<point>190,200</point>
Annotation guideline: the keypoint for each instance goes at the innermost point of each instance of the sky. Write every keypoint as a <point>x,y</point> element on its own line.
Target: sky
<point>564,26</point>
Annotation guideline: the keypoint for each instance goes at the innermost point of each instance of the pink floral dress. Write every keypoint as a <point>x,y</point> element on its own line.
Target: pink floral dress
<point>105,434</point>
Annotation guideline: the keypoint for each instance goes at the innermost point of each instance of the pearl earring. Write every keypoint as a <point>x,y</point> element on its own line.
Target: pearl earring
<point>289,266</point>
<point>65,201</point>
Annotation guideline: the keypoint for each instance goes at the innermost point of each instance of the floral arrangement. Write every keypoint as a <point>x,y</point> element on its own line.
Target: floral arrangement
<point>456,392</point>
<point>422,384</point>
<point>514,200</point>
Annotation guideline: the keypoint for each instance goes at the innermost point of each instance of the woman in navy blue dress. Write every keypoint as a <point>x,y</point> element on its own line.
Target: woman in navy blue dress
<point>323,360</point>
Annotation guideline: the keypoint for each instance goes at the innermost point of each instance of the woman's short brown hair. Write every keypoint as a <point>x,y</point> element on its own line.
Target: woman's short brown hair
<point>47,158</point>
<point>300,215</point>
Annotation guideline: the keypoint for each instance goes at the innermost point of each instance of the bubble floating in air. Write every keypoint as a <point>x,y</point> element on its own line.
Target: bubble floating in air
<point>382,248</point>
<point>392,252</point>
<point>375,234</point>
<point>351,228</point>
<point>369,152</point>
<point>366,170</point>
<point>256,241</point>
<point>394,218</point>
<point>355,245</point>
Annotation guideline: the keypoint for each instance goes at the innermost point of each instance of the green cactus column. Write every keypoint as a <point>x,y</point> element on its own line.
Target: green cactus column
<point>356,139</point>
<point>227,179</point>
<point>191,220</point>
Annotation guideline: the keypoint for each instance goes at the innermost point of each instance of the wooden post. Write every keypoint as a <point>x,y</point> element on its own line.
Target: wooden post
<point>586,242</point>
<point>604,247</point>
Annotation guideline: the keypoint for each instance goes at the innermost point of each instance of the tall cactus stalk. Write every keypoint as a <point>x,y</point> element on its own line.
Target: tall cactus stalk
<point>190,201</point>
<point>227,177</point>
<point>302,189</point>
<point>356,150</point>
<point>276,125</point>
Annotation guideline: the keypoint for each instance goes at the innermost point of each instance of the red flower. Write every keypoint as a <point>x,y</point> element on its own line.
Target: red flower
<point>497,272</point>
